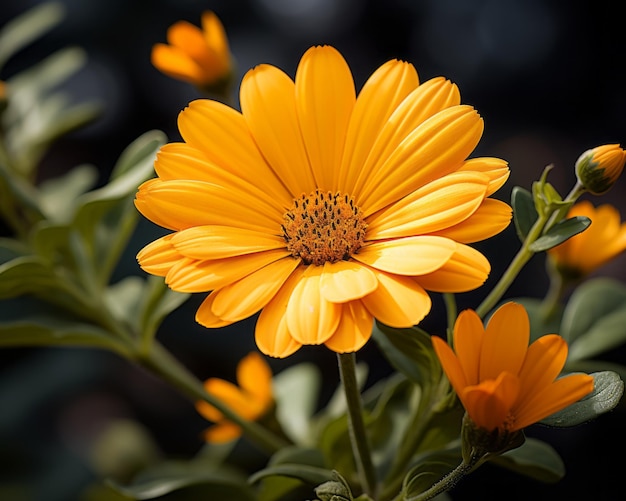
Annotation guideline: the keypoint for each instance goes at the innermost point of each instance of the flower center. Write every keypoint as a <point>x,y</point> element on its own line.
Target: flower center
<point>323,227</point>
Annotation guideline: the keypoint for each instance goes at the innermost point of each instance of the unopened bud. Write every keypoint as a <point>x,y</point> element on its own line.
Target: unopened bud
<point>597,169</point>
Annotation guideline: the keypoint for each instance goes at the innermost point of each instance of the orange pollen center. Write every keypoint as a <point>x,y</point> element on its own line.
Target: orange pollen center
<point>323,227</point>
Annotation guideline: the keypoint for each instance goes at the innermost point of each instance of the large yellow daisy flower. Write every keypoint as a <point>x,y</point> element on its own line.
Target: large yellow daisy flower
<point>323,209</point>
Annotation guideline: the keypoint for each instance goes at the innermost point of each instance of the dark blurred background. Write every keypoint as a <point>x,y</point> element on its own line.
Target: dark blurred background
<point>547,77</point>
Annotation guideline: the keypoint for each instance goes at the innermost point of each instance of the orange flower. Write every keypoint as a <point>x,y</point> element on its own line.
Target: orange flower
<point>251,400</point>
<point>501,381</point>
<point>197,56</point>
<point>597,169</point>
<point>603,240</point>
<point>323,209</point>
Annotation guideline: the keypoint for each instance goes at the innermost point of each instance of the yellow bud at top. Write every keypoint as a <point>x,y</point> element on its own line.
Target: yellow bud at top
<point>597,169</point>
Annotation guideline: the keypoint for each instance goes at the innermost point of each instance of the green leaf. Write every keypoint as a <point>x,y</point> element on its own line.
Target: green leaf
<point>312,475</point>
<point>409,351</point>
<point>171,476</point>
<point>123,297</point>
<point>28,27</point>
<point>607,392</point>
<point>11,248</point>
<point>106,217</point>
<point>157,301</point>
<point>24,275</point>
<point>560,232</point>
<point>534,459</point>
<point>28,322</point>
<point>431,467</point>
<point>594,319</point>
<point>57,196</point>
<point>524,212</point>
<point>296,391</point>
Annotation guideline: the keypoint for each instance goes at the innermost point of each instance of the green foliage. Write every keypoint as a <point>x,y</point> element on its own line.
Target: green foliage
<point>535,459</point>
<point>560,232</point>
<point>524,212</point>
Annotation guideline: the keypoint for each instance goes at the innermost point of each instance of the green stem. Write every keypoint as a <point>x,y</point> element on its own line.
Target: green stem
<point>552,300</point>
<point>516,265</point>
<point>445,484</point>
<point>356,425</point>
<point>451,313</point>
<point>161,363</point>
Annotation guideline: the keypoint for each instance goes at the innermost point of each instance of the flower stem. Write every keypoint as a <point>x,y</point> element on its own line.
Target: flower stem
<point>160,362</point>
<point>356,425</point>
<point>445,484</point>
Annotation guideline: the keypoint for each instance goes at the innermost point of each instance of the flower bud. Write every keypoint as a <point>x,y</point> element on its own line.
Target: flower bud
<point>597,169</point>
<point>478,443</point>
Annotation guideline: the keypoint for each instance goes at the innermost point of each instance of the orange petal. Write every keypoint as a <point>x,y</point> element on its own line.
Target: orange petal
<point>222,433</point>
<point>255,377</point>
<point>311,319</point>
<point>505,342</point>
<point>467,269</point>
<point>205,315</point>
<point>268,103</point>
<point>232,396</point>
<point>175,63</point>
<point>496,168</point>
<point>450,364</point>
<point>468,339</point>
<point>490,402</point>
<point>271,333</point>
<point>354,330</point>
<point>324,106</point>
<point>397,301</point>
<point>345,281</point>
<point>158,257</point>
<point>407,256</point>
<point>556,396</point>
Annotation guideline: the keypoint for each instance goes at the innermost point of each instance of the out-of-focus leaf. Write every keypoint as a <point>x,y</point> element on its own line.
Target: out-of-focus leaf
<point>312,475</point>
<point>560,232</point>
<point>57,196</point>
<point>40,324</point>
<point>106,217</point>
<point>594,319</point>
<point>524,212</point>
<point>607,392</point>
<point>156,302</point>
<point>534,459</point>
<point>24,275</point>
<point>11,248</point>
<point>28,27</point>
<point>410,352</point>
<point>172,476</point>
<point>16,190</point>
<point>296,391</point>
<point>123,297</point>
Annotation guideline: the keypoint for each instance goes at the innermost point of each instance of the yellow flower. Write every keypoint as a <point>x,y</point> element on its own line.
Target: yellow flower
<point>502,382</point>
<point>603,240</point>
<point>597,169</point>
<point>323,209</point>
<point>251,400</point>
<point>197,56</point>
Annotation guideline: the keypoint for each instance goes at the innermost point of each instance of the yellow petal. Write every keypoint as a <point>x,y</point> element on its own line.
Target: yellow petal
<point>311,319</point>
<point>182,204</point>
<point>267,97</point>
<point>345,281</point>
<point>192,275</point>
<point>423,102</point>
<point>218,242</point>
<point>505,342</point>
<point>466,270</point>
<point>247,296</point>
<point>407,256</point>
<point>205,315</point>
<point>435,148</point>
<point>180,161</point>
<point>217,41</point>
<point>271,333</point>
<point>496,168</point>
<point>159,256</point>
<point>221,133</point>
<point>354,330</point>
<point>397,301</point>
<point>543,363</point>
<point>450,364</point>
<point>222,433</point>
<point>384,90</point>
<point>558,395</point>
<point>436,206</point>
<point>254,376</point>
<point>489,403</point>
<point>491,217</point>
<point>468,339</point>
<point>175,63</point>
<point>324,106</point>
